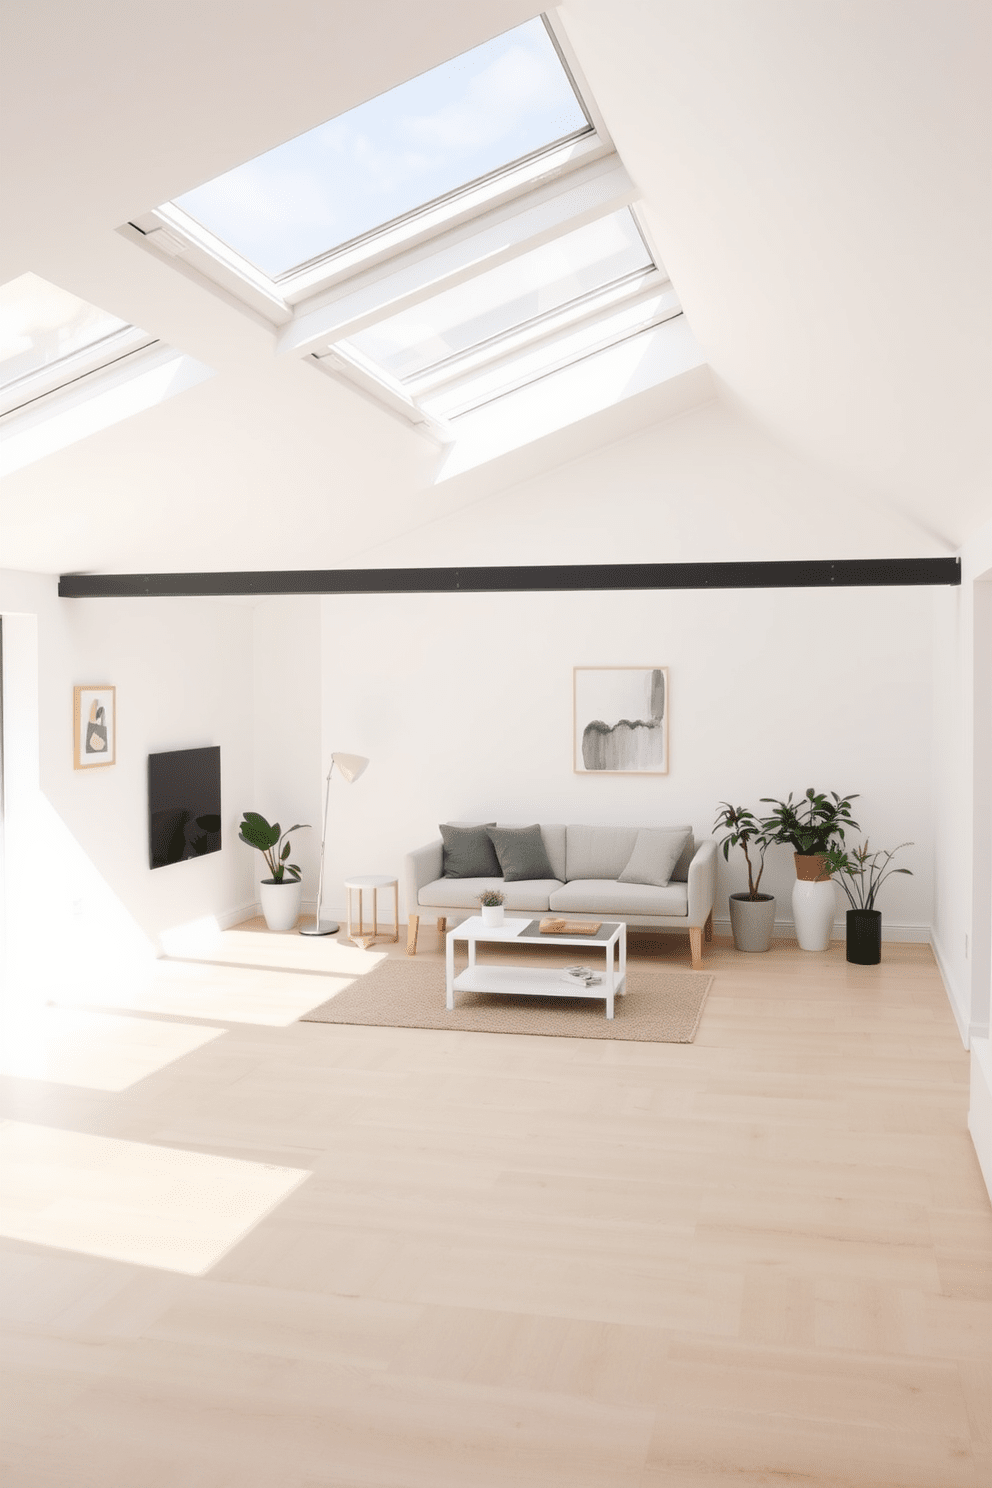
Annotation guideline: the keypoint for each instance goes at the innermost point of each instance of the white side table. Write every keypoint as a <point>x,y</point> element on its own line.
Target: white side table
<point>375,882</point>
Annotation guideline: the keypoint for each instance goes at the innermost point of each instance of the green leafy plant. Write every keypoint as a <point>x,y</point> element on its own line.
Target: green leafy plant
<point>490,898</point>
<point>862,873</point>
<point>256,831</point>
<point>744,830</point>
<point>813,824</point>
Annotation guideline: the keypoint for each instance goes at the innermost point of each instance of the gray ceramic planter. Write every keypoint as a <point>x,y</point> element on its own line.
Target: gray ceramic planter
<point>752,921</point>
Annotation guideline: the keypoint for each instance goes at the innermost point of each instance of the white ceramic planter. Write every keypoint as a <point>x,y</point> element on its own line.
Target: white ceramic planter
<point>281,902</point>
<point>813,908</point>
<point>492,914</point>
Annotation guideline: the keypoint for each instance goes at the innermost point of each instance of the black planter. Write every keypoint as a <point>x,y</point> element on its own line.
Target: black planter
<point>864,936</point>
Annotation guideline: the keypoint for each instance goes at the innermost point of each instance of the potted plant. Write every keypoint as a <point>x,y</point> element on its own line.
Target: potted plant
<point>492,901</point>
<point>752,915</point>
<point>281,894</point>
<point>811,826</point>
<point>861,874</point>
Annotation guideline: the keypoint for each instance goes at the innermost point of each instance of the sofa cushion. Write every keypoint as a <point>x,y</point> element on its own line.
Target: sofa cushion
<point>603,896</point>
<point>655,854</point>
<point>553,838</point>
<point>463,893</point>
<point>521,853</point>
<point>468,851</point>
<point>680,873</point>
<point>598,852</point>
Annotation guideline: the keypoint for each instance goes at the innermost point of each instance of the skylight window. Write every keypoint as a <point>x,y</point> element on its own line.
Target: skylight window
<point>524,290</point>
<point>48,336</point>
<point>69,369</point>
<point>444,245</point>
<point>429,137</point>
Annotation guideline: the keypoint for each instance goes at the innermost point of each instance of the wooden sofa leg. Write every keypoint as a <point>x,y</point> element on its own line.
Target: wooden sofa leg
<point>442,925</point>
<point>696,946</point>
<point>708,927</point>
<point>411,935</point>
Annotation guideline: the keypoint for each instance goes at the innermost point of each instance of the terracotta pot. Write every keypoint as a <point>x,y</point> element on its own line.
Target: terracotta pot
<point>809,867</point>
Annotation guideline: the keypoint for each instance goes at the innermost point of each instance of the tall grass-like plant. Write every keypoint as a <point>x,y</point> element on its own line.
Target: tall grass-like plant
<point>256,831</point>
<point>862,872</point>
<point>743,829</point>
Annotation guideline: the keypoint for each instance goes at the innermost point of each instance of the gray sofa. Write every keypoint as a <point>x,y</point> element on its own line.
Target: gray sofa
<point>587,862</point>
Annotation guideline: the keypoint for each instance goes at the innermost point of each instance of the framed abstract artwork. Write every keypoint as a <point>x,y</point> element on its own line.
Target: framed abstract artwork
<point>94,712</point>
<point>620,721</point>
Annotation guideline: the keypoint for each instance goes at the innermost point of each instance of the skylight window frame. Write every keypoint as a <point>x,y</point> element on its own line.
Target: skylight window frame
<point>64,373</point>
<point>639,284</point>
<point>405,220</point>
<point>314,307</point>
<point>531,328</point>
<point>172,233</point>
<point>450,414</point>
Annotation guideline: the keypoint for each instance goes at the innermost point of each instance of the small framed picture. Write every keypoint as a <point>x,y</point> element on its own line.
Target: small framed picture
<point>620,721</point>
<point>94,727</point>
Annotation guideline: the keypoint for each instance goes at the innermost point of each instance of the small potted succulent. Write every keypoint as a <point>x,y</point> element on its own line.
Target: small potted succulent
<point>492,901</point>
<point>861,874</point>
<point>752,915</point>
<point>281,894</point>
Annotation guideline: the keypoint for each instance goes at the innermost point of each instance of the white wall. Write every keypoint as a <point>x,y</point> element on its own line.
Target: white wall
<point>963,786</point>
<point>183,673</point>
<point>288,771</point>
<point>463,703</point>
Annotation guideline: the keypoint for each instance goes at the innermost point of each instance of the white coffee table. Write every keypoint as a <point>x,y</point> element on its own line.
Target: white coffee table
<point>534,981</point>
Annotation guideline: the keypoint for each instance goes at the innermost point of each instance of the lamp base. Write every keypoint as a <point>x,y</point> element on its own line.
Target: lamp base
<point>325,927</point>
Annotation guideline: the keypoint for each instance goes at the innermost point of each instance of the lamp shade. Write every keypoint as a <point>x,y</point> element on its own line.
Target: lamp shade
<point>350,766</point>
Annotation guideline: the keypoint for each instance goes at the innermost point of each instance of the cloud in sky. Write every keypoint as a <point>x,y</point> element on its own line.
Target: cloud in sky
<point>389,156</point>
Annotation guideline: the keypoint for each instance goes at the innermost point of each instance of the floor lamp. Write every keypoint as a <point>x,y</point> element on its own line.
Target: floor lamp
<point>350,766</point>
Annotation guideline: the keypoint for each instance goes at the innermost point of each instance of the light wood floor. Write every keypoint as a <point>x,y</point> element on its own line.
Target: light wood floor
<point>765,1258</point>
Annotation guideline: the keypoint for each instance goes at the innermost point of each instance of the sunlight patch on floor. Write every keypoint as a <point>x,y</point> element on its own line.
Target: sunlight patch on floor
<point>131,1201</point>
<point>99,1051</point>
<point>287,952</point>
<point>231,994</point>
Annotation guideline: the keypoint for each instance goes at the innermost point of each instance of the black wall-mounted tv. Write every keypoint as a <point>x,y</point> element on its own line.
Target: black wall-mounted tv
<point>183,805</point>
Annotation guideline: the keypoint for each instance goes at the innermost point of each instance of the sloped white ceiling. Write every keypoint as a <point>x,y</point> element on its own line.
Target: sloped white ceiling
<point>816,176</point>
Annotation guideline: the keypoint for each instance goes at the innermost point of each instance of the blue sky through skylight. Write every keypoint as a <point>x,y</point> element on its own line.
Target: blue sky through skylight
<point>418,142</point>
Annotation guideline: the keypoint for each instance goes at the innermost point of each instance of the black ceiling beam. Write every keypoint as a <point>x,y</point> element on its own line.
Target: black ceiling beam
<point>551,578</point>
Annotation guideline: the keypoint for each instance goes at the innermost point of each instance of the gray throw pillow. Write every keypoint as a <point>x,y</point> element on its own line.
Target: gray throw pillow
<point>655,854</point>
<point>468,852</point>
<point>521,853</point>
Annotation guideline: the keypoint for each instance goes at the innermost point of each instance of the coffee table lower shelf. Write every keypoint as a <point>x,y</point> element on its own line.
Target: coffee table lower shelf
<point>534,981</point>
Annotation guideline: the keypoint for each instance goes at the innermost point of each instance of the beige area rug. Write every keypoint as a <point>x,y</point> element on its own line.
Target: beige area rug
<point>661,1007</point>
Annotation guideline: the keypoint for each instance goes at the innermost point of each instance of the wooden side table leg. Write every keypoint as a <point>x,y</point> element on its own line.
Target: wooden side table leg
<point>375,913</point>
<point>350,927</point>
<point>396,911</point>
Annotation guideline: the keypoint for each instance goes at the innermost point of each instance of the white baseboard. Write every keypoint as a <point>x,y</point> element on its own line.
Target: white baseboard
<point>959,1007</point>
<point>253,911</point>
<point>897,932</point>
<point>231,917</point>
<point>980,1109</point>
